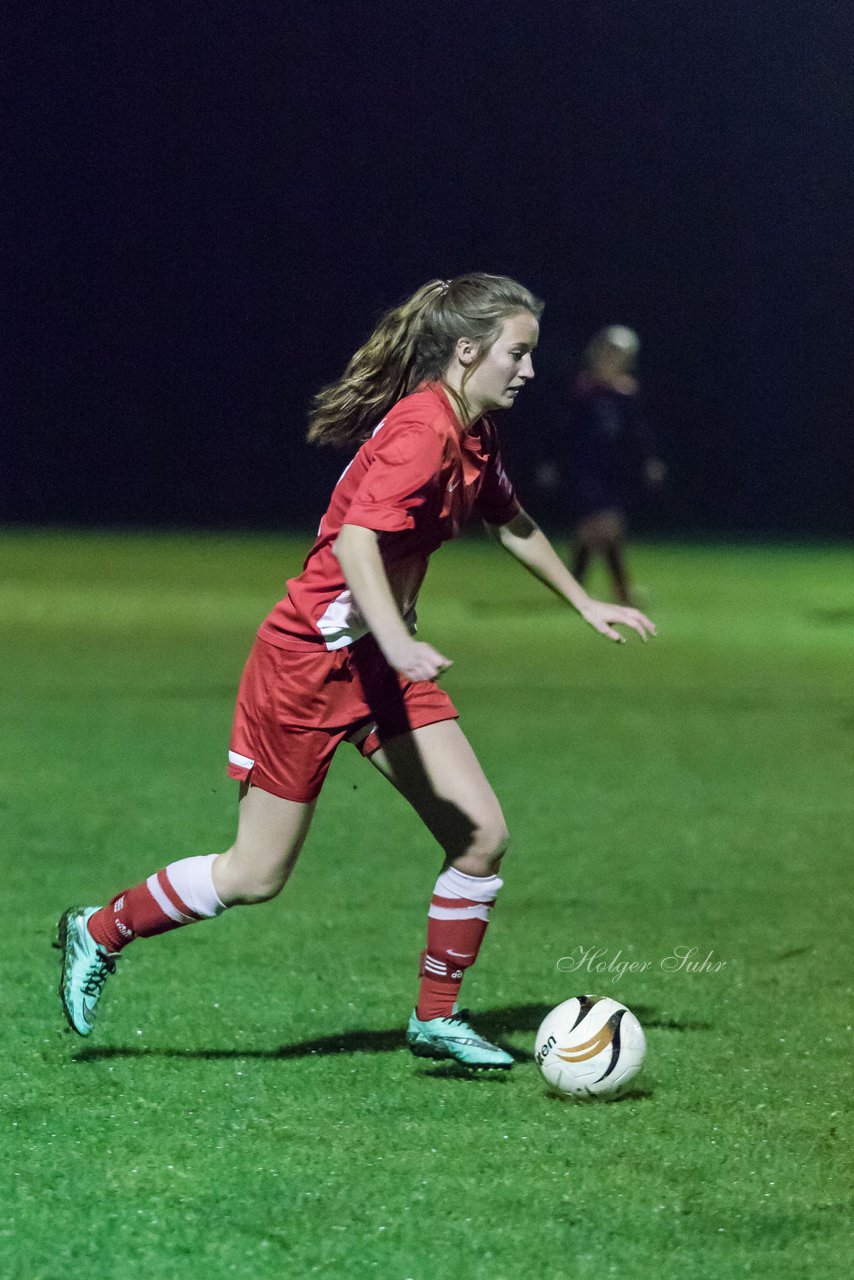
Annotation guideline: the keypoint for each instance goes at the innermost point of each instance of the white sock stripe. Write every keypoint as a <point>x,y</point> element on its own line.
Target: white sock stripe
<point>192,880</point>
<point>480,912</point>
<point>168,909</point>
<point>436,967</point>
<point>457,884</point>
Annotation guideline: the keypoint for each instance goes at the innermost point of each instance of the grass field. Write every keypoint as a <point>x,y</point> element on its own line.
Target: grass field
<point>246,1107</point>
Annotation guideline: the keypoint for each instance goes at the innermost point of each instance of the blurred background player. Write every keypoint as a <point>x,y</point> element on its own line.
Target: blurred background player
<point>337,659</point>
<point>606,450</point>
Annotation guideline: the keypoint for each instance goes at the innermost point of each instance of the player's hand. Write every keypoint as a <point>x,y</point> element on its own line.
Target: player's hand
<point>604,617</point>
<point>419,661</point>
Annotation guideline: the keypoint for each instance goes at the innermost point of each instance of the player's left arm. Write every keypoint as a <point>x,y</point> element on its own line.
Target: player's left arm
<point>527,543</point>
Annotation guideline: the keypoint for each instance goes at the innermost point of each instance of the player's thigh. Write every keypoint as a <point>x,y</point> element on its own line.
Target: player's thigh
<point>601,529</point>
<point>437,771</point>
<point>270,833</point>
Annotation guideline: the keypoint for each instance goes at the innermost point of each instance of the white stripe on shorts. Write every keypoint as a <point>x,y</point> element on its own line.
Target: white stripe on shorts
<point>234,757</point>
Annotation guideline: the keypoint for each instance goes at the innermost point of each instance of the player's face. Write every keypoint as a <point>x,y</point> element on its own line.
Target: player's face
<point>506,367</point>
<point>612,362</point>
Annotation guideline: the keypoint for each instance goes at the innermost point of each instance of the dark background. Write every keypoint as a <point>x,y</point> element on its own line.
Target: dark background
<point>208,204</point>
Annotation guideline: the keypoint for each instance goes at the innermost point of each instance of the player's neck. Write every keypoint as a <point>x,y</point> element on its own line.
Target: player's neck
<point>465,411</point>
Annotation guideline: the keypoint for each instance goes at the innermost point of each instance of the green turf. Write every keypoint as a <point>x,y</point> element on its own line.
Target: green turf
<point>246,1108</point>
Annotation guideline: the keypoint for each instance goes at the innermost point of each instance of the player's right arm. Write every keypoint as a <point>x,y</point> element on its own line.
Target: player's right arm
<point>357,551</point>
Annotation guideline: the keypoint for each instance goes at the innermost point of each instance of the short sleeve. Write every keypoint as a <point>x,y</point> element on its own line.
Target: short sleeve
<point>401,479</point>
<point>496,500</point>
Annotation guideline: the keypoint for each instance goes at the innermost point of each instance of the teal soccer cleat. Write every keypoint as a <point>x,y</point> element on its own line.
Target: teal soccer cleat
<point>454,1038</point>
<point>85,968</point>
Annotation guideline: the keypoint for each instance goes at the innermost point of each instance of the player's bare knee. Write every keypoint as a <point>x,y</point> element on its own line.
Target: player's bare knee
<point>254,890</point>
<point>488,846</point>
<point>241,881</point>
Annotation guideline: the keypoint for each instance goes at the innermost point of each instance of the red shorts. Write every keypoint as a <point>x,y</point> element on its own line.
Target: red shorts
<point>295,706</point>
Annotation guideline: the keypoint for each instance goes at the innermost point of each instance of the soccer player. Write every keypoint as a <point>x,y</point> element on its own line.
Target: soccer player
<point>608,444</point>
<point>337,659</point>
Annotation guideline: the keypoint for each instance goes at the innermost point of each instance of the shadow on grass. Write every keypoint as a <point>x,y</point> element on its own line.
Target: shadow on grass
<point>651,1019</point>
<point>456,1071</point>
<point>795,953</point>
<point>495,1024</point>
<point>629,1095</point>
<point>840,616</point>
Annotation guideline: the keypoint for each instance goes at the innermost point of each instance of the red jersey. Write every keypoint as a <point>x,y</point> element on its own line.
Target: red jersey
<point>415,482</point>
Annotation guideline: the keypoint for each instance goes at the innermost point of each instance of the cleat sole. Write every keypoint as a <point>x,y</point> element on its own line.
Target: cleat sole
<point>420,1049</point>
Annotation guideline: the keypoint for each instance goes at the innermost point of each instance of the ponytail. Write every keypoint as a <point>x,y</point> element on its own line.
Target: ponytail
<point>413,342</point>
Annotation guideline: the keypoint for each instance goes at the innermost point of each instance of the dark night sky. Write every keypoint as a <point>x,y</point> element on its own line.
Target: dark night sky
<point>207,206</point>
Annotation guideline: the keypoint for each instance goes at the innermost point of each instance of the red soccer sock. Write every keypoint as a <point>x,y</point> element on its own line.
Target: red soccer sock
<point>456,924</point>
<point>180,894</point>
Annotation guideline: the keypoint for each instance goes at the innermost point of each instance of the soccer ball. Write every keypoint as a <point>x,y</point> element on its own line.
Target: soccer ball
<point>590,1046</point>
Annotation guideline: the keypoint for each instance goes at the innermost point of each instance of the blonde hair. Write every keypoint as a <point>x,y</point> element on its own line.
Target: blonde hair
<point>412,343</point>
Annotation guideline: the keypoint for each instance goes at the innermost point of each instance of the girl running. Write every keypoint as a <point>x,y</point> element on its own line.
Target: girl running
<point>337,659</point>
